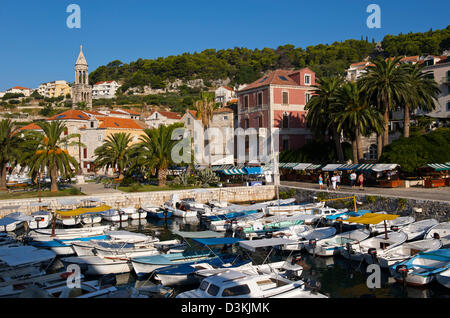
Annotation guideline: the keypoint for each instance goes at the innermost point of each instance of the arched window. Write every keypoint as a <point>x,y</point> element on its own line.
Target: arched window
<point>373,151</point>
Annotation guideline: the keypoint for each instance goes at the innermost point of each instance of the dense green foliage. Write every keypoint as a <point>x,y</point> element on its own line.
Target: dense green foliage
<point>414,152</point>
<point>243,65</point>
<point>431,42</point>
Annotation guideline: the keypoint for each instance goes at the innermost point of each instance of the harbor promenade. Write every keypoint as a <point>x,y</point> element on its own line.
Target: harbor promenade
<point>441,194</point>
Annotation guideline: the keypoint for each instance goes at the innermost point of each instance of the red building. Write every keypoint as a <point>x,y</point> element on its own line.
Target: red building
<point>277,100</point>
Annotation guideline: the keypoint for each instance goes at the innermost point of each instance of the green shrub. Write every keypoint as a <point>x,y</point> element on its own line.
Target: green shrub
<point>371,199</point>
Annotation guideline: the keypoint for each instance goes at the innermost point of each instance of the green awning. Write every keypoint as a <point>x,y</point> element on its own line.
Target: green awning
<point>365,166</point>
<point>439,166</point>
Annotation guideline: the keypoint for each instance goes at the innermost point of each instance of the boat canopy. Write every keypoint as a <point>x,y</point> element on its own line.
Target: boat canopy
<point>200,234</point>
<point>365,166</point>
<point>80,211</point>
<point>217,241</point>
<point>254,244</point>
<point>372,218</point>
<point>230,172</point>
<point>347,167</point>
<point>288,165</point>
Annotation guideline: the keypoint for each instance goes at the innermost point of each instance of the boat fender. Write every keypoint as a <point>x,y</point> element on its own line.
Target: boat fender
<point>313,242</point>
<point>394,228</point>
<point>296,260</point>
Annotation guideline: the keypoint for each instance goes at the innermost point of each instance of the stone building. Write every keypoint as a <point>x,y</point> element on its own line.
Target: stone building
<point>81,90</point>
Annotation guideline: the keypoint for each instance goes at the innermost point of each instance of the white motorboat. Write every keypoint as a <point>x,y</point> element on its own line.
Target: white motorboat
<point>91,218</point>
<point>417,230</point>
<point>90,289</point>
<point>370,247</point>
<point>443,278</point>
<point>41,220</point>
<point>14,221</point>
<point>308,238</point>
<point>133,213</point>
<point>439,231</point>
<point>387,258</point>
<point>86,248</point>
<point>71,233</point>
<point>333,245</point>
<point>68,220</point>
<point>180,213</point>
<point>15,287</point>
<point>233,284</point>
<point>97,265</point>
<point>14,257</point>
<point>288,210</point>
<point>124,249</point>
<point>393,225</point>
<point>113,215</point>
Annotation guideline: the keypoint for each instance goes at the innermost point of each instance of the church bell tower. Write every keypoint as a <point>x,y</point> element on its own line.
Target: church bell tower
<point>81,90</point>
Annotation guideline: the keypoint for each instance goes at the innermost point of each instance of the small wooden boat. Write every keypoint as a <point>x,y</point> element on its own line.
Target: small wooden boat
<point>439,231</point>
<point>422,268</point>
<point>156,212</point>
<point>403,252</point>
<point>443,278</point>
<point>114,215</point>
<point>97,265</point>
<point>91,218</point>
<point>63,246</point>
<point>308,238</point>
<point>332,246</point>
<point>417,230</point>
<point>133,213</point>
<point>233,284</point>
<point>394,225</point>
<point>41,220</point>
<point>71,233</point>
<point>288,210</point>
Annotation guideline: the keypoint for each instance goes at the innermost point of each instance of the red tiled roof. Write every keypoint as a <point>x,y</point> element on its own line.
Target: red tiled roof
<point>31,126</point>
<point>170,115</point>
<point>20,87</point>
<point>119,123</point>
<point>99,83</point>
<point>192,112</point>
<point>73,114</point>
<point>277,77</point>
<point>229,88</point>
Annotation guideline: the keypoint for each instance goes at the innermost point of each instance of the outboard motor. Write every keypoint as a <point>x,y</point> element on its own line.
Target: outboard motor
<point>402,270</point>
<point>313,243</point>
<point>373,252</point>
<point>108,280</point>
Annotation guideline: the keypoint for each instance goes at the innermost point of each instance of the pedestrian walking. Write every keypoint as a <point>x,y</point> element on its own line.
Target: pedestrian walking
<point>353,179</point>
<point>334,182</point>
<point>338,181</point>
<point>327,181</point>
<point>361,182</point>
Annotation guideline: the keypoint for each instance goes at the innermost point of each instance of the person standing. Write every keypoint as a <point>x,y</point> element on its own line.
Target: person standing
<point>353,179</point>
<point>361,181</point>
<point>327,180</point>
<point>334,181</point>
<point>338,181</point>
<point>320,181</point>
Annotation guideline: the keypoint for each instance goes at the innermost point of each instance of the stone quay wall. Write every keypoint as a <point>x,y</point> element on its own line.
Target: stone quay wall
<point>420,209</point>
<point>137,199</point>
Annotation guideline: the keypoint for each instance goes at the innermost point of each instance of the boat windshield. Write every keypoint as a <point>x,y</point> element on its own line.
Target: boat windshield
<point>213,290</point>
<point>236,291</point>
<point>204,285</point>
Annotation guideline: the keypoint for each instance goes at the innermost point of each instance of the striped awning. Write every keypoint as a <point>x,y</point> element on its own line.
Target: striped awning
<point>439,166</point>
<point>232,172</point>
<point>313,167</point>
<point>365,166</point>
<point>199,167</point>
<point>384,167</point>
<point>332,167</point>
<point>348,167</point>
<point>254,170</point>
<point>288,165</point>
<point>221,167</point>
<point>302,166</point>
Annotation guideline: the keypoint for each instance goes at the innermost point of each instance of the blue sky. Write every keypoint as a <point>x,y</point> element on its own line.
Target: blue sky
<point>37,46</point>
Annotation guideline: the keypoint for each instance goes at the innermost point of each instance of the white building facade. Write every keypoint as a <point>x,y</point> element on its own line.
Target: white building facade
<point>106,89</point>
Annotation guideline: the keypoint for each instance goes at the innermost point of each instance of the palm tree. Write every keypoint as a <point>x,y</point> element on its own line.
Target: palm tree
<point>154,151</point>
<point>386,83</point>
<point>51,153</point>
<point>114,153</point>
<point>357,117</point>
<point>423,90</point>
<point>10,142</point>
<point>205,108</point>
<point>321,111</point>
